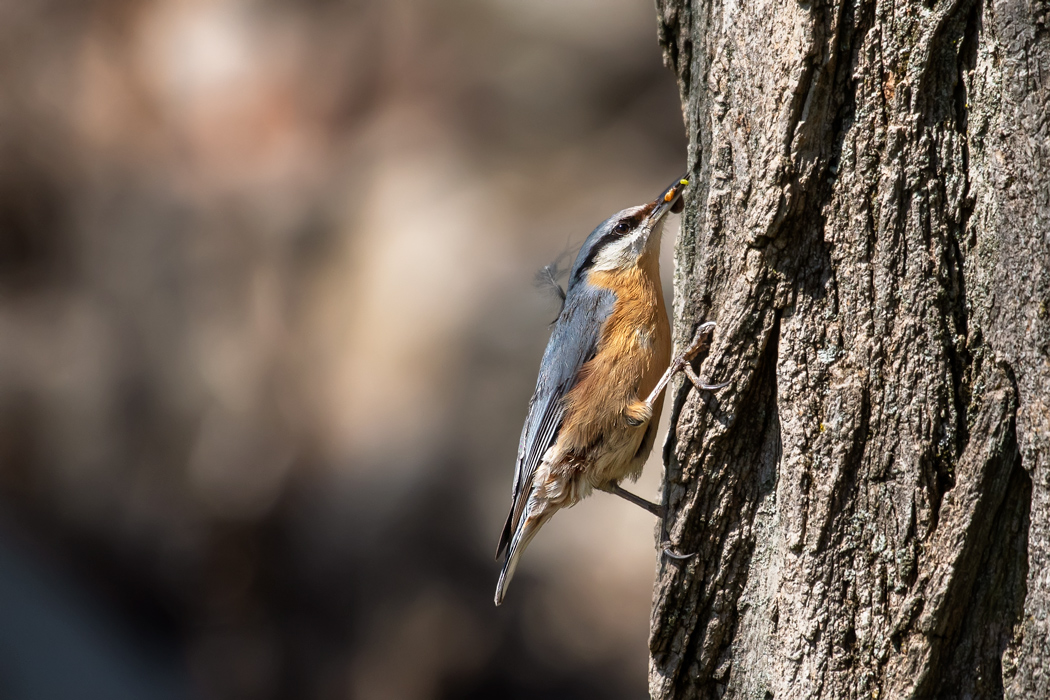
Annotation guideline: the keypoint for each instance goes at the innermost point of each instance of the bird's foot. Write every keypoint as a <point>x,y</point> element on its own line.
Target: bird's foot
<point>681,364</point>
<point>701,384</point>
<point>665,547</point>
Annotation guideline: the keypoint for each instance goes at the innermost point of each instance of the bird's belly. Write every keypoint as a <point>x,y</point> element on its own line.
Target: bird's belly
<point>613,459</point>
<point>596,431</point>
<point>599,438</point>
<point>570,470</point>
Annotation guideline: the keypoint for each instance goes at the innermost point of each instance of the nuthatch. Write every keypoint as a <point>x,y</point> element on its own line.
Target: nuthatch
<point>588,426</point>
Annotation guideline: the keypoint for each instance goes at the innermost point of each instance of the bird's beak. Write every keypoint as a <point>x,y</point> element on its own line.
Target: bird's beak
<point>670,200</point>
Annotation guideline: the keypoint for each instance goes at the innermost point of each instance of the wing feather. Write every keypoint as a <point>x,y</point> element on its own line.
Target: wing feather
<point>573,343</point>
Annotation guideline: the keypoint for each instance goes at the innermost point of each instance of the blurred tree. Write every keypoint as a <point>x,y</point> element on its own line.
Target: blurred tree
<point>868,227</point>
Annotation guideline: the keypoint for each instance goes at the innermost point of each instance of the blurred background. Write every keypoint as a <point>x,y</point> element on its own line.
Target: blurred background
<point>268,329</point>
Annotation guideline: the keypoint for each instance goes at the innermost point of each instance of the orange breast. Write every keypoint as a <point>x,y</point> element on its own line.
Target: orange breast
<point>633,352</point>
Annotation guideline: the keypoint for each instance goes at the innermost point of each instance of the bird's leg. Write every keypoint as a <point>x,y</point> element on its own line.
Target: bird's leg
<point>657,510</point>
<point>638,413</point>
<point>614,488</point>
<point>642,411</point>
<point>681,363</point>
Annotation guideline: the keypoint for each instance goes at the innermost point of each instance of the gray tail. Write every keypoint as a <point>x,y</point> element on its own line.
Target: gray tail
<point>529,527</point>
<point>504,538</point>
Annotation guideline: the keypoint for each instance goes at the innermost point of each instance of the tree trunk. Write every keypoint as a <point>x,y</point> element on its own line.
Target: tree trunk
<point>868,225</point>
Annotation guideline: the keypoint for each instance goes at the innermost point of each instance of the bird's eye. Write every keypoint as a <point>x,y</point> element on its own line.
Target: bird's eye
<point>622,227</point>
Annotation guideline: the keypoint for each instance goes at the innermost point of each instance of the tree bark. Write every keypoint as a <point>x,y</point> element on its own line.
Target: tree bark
<point>869,225</point>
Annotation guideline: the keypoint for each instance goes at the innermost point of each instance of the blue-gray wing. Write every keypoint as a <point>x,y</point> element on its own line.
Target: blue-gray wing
<point>573,342</point>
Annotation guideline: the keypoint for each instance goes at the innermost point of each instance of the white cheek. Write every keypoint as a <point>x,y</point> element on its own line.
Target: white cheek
<point>620,254</point>
<point>610,258</point>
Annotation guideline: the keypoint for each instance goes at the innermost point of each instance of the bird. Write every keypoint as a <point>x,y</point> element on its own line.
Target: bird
<point>593,417</point>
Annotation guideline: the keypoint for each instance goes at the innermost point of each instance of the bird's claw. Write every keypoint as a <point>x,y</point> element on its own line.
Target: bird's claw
<point>666,548</point>
<point>701,384</point>
<point>682,364</point>
<point>699,340</point>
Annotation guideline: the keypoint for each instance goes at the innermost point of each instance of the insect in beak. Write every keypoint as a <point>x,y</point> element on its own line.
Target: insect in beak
<point>670,201</point>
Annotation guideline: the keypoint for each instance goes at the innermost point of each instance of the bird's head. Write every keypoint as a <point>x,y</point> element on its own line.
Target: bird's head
<point>618,242</point>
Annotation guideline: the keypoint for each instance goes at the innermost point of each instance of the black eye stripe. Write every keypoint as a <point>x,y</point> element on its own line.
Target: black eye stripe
<point>619,230</point>
<point>593,253</point>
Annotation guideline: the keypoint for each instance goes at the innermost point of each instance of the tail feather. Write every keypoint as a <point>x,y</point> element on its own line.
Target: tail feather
<point>504,538</point>
<point>528,529</point>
